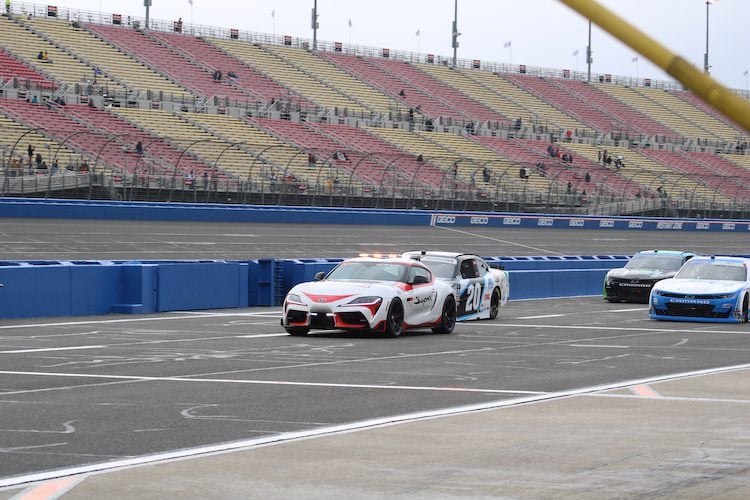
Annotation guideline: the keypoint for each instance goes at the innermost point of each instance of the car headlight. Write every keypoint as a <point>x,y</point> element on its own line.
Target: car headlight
<point>366,300</point>
<point>293,297</point>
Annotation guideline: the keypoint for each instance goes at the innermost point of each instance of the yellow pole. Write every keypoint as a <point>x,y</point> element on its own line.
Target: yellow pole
<point>711,91</point>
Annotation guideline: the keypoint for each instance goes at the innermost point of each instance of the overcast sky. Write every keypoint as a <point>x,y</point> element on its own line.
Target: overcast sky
<point>541,32</point>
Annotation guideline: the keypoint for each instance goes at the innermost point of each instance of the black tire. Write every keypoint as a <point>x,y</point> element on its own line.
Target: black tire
<point>394,321</point>
<point>297,331</point>
<point>745,307</point>
<point>495,303</point>
<point>448,317</point>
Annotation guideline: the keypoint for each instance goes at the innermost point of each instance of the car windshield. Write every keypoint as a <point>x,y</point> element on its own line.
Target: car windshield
<point>370,271</point>
<point>441,268</point>
<point>713,271</point>
<point>655,261</point>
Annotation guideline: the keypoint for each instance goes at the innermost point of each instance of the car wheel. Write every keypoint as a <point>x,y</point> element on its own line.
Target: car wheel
<point>448,317</point>
<point>745,309</point>
<point>297,331</point>
<point>495,303</point>
<point>394,321</point>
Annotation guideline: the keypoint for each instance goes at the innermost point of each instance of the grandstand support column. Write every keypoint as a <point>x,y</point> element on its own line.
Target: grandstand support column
<point>92,172</point>
<point>216,166</point>
<point>57,151</point>
<point>252,165</point>
<point>177,165</point>
<point>10,157</point>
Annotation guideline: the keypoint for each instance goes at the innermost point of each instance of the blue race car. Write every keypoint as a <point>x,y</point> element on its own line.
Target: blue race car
<point>715,289</point>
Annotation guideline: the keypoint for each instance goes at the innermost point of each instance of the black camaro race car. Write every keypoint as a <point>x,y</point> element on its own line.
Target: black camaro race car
<point>633,282</point>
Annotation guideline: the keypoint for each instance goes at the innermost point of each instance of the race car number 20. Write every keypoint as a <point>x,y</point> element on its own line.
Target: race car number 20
<point>473,297</point>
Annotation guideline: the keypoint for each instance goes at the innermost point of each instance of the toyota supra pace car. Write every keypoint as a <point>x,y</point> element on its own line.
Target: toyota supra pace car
<point>480,290</point>
<point>633,282</point>
<point>704,289</point>
<point>384,295</point>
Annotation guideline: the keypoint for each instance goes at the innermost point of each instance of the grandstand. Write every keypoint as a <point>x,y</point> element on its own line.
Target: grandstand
<point>215,114</point>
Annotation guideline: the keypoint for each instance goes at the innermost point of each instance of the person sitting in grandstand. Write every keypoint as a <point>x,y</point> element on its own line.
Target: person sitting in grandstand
<point>139,148</point>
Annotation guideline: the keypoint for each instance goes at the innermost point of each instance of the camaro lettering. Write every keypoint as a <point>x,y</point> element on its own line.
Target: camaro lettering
<point>690,301</point>
<point>479,220</point>
<point>728,226</point>
<point>702,225</point>
<point>512,221</point>
<point>545,222</point>
<point>643,285</point>
<point>606,223</point>
<point>635,224</point>
<point>576,223</point>
<point>445,219</point>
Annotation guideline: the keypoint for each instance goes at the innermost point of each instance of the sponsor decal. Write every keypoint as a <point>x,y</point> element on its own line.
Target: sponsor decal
<point>445,219</point>
<point>607,223</point>
<point>576,223</point>
<point>511,221</point>
<point>728,226</point>
<point>702,225</point>
<point>668,225</point>
<point>635,224</point>
<point>479,220</point>
<point>422,300</point>
<point>545,222</point>
<point>637,285</point>
<point>690,301</point>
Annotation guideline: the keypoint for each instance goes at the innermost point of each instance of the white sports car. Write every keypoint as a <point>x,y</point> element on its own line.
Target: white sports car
<point>370,294</point>
<point>480,290</point>
<point>704,289</point>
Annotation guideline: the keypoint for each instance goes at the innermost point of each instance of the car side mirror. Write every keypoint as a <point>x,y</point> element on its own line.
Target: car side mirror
<point>319,276</point>
<point>420,280</point>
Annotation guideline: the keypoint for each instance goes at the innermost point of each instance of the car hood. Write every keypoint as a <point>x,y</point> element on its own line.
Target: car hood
<point>699,287</point>
<point>338,290</point>
<point>640,274</point>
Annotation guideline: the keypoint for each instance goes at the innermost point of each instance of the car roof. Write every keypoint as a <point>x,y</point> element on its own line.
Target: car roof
<point>721,258</point>
<point>666,252</point>
<point>437,253</point>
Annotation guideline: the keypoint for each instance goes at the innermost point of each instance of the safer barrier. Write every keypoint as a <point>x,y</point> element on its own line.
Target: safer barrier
<point>77,288</point>
<point>113,210</point>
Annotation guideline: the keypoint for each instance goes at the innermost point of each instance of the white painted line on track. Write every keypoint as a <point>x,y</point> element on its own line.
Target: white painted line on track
<point>264,382</point>
<point>507,242</point>
<point>542,316</point>
<point>622,310</point>
<point>618,328</point>
<point>601,345</point>
<point>347,428</point>
<point>48,349</point>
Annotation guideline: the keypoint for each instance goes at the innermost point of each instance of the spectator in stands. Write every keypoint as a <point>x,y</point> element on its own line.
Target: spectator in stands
<point>420,158</point>
<point>618,163</point>
<point>568,135</point>
<point>541,168</point>
<point>402,93</point>
<point>637,194</point>
<point>486,176</point>
<point>30,150</point>
<point>55,166</point>
<point>411,114</point>
<point>231,74</point>
<point>45,57</point>
<point>470,128</point>
<point>518,124</point>
<point>38,160</point>
<point>569,188</point>
<point>599,156</point>
<point>428,125</point>
<point>217,76</point>
<point>603,158</point>
<point>139,148</point>
<point>587,178</point>
<point>84,165</point>
<point>40,55</point>
<point>311,160</point>
<point>178,26</point>
<point>608,160</point>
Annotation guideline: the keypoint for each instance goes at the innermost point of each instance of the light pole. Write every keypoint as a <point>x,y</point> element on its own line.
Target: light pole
<point>589,59</point>
<point>147,4</point>
<point>455,34</point>
<point>315,24</point>
<point>706,66</point>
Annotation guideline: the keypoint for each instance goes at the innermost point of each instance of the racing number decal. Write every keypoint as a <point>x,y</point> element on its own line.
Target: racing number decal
<point>473,297</point>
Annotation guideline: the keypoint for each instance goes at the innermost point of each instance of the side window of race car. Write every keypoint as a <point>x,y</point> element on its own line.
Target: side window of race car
<point>482,267</point>
<point>468,269</point>
<point>421,273</point>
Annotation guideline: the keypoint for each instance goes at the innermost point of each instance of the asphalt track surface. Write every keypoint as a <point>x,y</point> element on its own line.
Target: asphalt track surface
<point>97,392</point>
